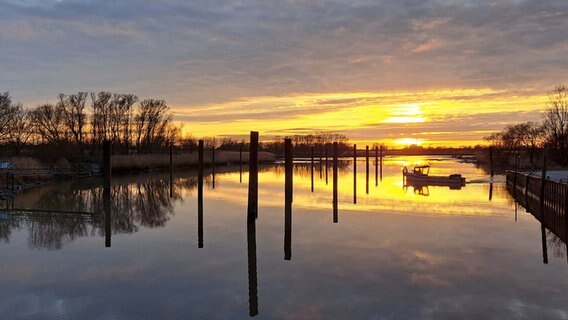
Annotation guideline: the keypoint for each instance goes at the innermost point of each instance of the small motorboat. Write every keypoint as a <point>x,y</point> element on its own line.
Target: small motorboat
<point>420,176</point>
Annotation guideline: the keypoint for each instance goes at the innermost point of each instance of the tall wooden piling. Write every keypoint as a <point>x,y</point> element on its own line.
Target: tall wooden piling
<point>381,163</point>
<point>367,169</point>
<point>171,169</point>
<point>213,166</point>
<point>354,172</point>
<point>543,185</point>
<point>312,166</point>
<point>335,178</point>
<point>107,171</point>
<point>200,194</point>
<point>320,163</point>
<point>326,165</point>
<point>376,165</point>
<point>241,164</point>
<point>288,197</point>
<point>253,177</point>
<point>491,162</point>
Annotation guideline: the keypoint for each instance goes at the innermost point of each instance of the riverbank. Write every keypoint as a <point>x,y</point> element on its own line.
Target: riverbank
<point>29,173</point>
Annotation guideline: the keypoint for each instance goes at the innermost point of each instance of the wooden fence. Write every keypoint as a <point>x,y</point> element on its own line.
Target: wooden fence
<point>546,200</point>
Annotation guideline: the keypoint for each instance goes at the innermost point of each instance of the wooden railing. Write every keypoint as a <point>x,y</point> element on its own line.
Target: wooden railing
<point>548,202</point>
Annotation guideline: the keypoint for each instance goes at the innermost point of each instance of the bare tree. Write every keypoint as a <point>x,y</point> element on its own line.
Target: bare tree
<point>7,112</point>
<point>75,119</point>
<point>20,128</point>
<point>49,123</point>
<point>556,123</point>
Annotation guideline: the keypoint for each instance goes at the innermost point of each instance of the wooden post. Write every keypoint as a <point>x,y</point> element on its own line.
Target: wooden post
<point>320,163</point>
<point>107,163</point>
<point>171,169</point>
<point>312,166</point>
<point>326,165</point>
<point>200,165</point>
<point>253,177</point>
<point>213,165</point>
<point>367,169</point>
<point>381,163</point>
<point>241,164</point>
<point>107,170</point>
<point>491,162</point>
<point>354,172</point>
<point>335,178</point>
<point>543,185</point>
<point>376,165</point>
<point>515,177</point>
<point>288,197</point>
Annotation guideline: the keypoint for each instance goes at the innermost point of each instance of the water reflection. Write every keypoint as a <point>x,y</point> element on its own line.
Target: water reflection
<point>418,248</point>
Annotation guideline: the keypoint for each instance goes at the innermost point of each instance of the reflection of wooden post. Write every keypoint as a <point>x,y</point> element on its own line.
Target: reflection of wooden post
<point>354,171</point>
<point>367,169</point>
<point>312,167</point>
<point>335,177</point>
<point>241,164</point>
<point>252,273</point>
<point>491,162</point>
<point>544,244</point>
<point>213,164</point>
<point>253,177</point>
<point>490,191</point>
<point>376,165</point>
<point>107,169</point>
<point>200,195</point>
<point>288,196</point>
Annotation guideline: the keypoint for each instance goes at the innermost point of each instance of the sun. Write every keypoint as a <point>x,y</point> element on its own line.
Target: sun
<point>408,141</point>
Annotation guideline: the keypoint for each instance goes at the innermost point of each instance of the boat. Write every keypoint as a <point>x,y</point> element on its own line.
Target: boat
<point>420,176</point>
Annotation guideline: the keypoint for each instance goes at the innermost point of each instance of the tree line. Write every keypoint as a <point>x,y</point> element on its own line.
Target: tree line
<point>84,120</point>
<point>532,136</point>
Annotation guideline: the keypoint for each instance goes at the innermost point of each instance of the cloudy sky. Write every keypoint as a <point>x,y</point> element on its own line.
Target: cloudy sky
<point>433,72</point>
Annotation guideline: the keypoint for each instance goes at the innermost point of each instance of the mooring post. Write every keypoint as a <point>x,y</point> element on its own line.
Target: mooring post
<point>200,193</point>
<point>213,164</point>
<point>312,166</point>
<point>172,168</point>
<point>376,166</point>
<point>320,162</point>
<point>381,163</point>
<point>288,197</point>
<point>253,177</point>
<point>354,172</point>
<point>107,170</point>
<point>543,185</point>
<point>326,164</point>
<point>241,164</point>
<point>335,178</point>
<point>367,169</point>
<point>491,162</point>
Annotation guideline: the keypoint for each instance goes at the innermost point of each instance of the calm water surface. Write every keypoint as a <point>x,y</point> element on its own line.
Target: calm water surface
<point>398,253</point>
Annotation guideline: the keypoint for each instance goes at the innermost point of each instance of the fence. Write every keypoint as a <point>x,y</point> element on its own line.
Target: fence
<point>547,200</point>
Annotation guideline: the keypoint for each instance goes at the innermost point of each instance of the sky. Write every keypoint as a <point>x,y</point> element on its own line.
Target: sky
<point>432,72</point>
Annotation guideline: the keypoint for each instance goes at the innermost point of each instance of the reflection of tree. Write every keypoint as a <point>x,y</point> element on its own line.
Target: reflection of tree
<point>142,200</point>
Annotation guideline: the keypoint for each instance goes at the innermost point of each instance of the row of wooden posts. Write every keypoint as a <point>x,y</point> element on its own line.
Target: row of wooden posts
<point>252,205</point>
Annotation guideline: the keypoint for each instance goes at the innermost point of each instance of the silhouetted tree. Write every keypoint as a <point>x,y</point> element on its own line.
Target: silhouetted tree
<point>556,123</point>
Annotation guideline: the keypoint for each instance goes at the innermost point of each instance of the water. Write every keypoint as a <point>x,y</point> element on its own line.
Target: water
<point>398,253</point>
